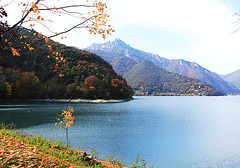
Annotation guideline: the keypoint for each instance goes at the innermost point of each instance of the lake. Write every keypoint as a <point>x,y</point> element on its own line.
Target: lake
<point>166,131</point>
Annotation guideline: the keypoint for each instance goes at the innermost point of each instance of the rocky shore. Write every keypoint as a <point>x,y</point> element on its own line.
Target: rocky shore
<point>85,100</point>
<point>71,100</point>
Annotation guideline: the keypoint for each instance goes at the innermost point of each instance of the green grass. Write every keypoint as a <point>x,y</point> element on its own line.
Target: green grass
<point>24,150</point>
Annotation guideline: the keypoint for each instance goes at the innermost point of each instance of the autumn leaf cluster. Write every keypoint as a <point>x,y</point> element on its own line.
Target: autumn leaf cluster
<point>88,14</point>
<point>66,119</point>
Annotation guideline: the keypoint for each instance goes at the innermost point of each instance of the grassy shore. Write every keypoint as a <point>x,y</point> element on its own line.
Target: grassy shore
<point>18,149</point>
<point>21,150</point>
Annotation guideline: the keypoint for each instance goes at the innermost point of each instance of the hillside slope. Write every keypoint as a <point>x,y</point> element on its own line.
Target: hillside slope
<point>63,72</point>
<point>194,70</point>
<point>147,78</point>
<point>233,77</point>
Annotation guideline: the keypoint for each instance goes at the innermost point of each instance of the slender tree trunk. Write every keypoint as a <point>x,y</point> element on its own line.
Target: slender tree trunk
<point>67,136</point>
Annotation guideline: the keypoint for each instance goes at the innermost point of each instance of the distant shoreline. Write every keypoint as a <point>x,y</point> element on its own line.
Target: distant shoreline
<point>72,100</point>
<point>88,100</point>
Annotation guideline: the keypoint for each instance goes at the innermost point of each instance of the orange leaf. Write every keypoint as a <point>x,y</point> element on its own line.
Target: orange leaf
<point>47,39</point>
<point>31,48</point>
<point>61,75</point>
<point>15,52</point>
<point>50,47</point>
<point>103,36</point>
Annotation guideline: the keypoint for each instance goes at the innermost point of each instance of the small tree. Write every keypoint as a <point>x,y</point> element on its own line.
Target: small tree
<point>65,120</point>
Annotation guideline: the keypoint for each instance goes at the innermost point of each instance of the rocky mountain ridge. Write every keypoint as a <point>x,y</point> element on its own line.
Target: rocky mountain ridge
<point>233,77</point>
<point>123,57</point>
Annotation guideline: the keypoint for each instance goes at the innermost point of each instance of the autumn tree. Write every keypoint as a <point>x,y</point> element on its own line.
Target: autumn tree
<point>119,87</point>
<point>88,14</point>
<point>65,120</point>
<point>91,87</point>
<point>91,81</point>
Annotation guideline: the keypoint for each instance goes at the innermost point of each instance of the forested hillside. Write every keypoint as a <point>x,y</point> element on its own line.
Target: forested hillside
<point>147,78</point>
<point>53,70</point>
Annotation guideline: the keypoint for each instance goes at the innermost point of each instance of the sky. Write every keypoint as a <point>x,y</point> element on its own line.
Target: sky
<point>201,31</point>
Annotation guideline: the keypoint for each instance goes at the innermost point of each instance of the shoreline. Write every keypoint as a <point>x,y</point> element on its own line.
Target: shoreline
<point>88,100</point>
<point>73,100</point>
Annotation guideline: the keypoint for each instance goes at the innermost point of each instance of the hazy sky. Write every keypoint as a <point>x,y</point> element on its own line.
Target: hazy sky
<point>195,30</point>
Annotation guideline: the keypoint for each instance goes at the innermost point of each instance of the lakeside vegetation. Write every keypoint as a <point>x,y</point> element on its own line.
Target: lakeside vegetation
<point>25,150</point>
<point>18,149</point>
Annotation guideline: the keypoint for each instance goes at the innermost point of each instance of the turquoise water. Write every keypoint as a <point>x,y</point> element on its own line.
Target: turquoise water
<point>166,131</point>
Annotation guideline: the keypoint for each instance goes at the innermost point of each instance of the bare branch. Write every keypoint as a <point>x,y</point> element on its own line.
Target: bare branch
<point>70,6</point>
<point>73,27</point>
<point>69,13</point>
<point>7,4</point>
<point>23,18</point>
<point>97,23</point>
<point>76,26</point>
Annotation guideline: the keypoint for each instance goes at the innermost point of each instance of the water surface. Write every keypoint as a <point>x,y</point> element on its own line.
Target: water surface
<point>166,131</point>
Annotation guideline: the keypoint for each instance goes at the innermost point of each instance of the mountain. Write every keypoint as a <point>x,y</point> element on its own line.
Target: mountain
<point>233,77</point>
<point>118,47</point>
<point>194,70</point>
<point>147,72</point>
<point>120,63</point>
<point>147,78</point>
<point>62,72</point>
<point>129,57</point>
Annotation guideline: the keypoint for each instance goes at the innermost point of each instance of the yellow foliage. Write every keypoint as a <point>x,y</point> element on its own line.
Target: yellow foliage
<point>15,52</point>
<point>66,118</point>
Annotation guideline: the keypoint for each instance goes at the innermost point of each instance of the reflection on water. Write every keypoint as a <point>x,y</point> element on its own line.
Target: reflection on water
<point>167,131</point>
